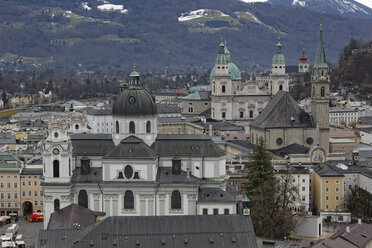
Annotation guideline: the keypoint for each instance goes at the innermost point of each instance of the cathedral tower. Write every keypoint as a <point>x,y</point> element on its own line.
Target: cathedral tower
<point>279,80</point>
<point>303,65</point>
<point>320,94</point>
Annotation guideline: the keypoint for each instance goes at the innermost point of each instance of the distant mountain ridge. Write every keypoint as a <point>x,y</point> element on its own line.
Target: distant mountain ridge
<point>165,33</point>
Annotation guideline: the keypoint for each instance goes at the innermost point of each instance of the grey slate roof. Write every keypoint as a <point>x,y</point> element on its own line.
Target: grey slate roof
<point>168,108</point>
<point>95,175</point>
<point>215,195</point>
<point>361,167</point>
<point>131,147</point>
<point>291,149</point>
<point>218,125</point>
<point>91,144</point>
<point>283,112</point>
<point>158,231</point>
<point>186,145</point>
<point>96,112</point>
<point>165,176</point>
<point>7,139</point>
<point>365,120</point>
<point>327,171</point>
<point>32,171</point>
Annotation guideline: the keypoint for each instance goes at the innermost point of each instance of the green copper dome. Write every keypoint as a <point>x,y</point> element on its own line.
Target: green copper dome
<point>134,101</point>
<point>279,57</point>
<point>222,57</point>
<point>234,72</point>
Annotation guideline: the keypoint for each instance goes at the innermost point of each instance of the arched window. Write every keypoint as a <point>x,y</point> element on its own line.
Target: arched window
<point>132,128</point>
<point>280,87</point>
<point>176,200</point>
<point>148,127</point>
<point>128,200</point>
<point>55,168</point>
<point>322,92</point>
<point>56,205</point>
<point>223,88</point>
<point>83,198</point>
<point>117,127</point>
<point>250,113</point>
<point>191,109</point>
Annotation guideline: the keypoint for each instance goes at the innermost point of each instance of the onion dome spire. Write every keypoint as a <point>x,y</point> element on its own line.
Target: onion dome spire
<point>303,58</point>
<point>278,57</point>
<point>134,78</point>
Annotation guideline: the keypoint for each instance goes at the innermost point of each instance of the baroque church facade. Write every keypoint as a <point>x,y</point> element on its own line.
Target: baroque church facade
<point>133,171</point>
<point>283,122</point>
<point>240,102</point>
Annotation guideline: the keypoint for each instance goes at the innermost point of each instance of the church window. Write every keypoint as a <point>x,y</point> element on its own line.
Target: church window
<point>132,100</point>
<point>223,88</point>
<point>128,172</point>
<point>132,127</point>
<point>148,127</point>
<point>176,200</point>
<point>241,114</point>
<point>56,205</point>
<point>128,200</point>
<point>309,140</point>
<point>280,87</point>
<point>322,73</point>
<point>322,92</point>
<point>117,126</point>
<point>279,141</point>
<point>191,109</point>
<point>83,198</point>
<point>85,166</point>
<point>250,113</point>
<point>176,166</point>
<point>56,134</point>
<point>77,127</point>
<point>223,115</point>
<point>55,168</point>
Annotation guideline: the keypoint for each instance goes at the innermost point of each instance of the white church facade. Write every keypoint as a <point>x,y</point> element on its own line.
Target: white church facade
<point>134,171</point>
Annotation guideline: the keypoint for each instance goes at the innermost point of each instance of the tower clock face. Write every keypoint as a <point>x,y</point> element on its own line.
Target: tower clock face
<point>55,151</point>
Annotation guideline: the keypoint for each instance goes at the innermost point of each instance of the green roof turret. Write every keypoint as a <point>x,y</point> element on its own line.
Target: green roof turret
<point>134,79</point>
<point>222,57</point>
<point>320,61</point>
<point>278,57</point>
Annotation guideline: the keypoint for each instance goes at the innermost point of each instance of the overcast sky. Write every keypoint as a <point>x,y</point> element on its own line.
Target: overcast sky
<point>365,2</point>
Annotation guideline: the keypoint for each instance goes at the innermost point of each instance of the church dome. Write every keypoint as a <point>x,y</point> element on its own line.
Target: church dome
<point>234,72</point>
<point>278,57</point>
<point>134,101</point>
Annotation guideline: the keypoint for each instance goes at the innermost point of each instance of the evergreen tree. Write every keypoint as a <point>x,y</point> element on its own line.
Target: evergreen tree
<point>270,199</point>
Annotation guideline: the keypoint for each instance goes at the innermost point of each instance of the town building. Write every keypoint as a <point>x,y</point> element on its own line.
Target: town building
<point>283,122</point>
<point>32,197</point>
<point>339,115</point>
<point>10,166</point>
<point>196,103</point>
<point>134,171</point>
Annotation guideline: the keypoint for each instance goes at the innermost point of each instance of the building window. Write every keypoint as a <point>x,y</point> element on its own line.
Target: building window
<point>326,206</point>
<point>56,134</point>
<point>2,205</point>
<point>337,197</point>
<point>15,185</point>
<point>29,183</point>
<point>303,198</point>
<point>337,182</point>
<point>41,193</point>
<point>303,188</point>
<point>2,195</point>
<point>226,211</point>
<point>128,200</point>
<point>85,166</point>
<point>9,204</point>
<point>205,211</point>
<point>29,193</point>
<point>132,128</point>
<point>56,205</point>
<point>35,193</point>
<point>35,203</point>
<point>326,198</point>
<point>2,185</point>
<point>337,189</point>
<point>322,91</point>
<point>8,185</point>
<point>241,114</point>
<point>223,115</point>
<point>309,141</point>
<point>215,211</point>
<point>9,195</point>
<point>223,88</point>
<point>279,141</point>
<point>128,172</point>
<point>250,113</point>
<point>327,182</point>
<point>117,127</point>
<point>148,127</point>
<point>23,193</point>
<point>303,180</point>
<point>327,189</point>
<point>191,109</point>
<point>83,198</point>
<point>55,168</point>
<point>280,87</point>
<point>176,200</point>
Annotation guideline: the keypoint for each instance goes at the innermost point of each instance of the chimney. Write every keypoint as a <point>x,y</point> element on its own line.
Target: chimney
<point>347,229</point>
<point>187,173</point>
<point>359,221</point>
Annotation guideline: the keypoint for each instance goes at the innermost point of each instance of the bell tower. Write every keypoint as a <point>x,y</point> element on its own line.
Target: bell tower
<point>320,94</point>
<point>279,80</point>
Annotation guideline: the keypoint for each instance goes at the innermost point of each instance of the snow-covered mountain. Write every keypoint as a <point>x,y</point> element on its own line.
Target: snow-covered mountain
<point>349,8</point>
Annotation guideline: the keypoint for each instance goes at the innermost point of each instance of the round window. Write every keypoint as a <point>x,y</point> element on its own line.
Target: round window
<point>309,141</point>
<point>279,141</point>
<point>132,99</point>
<point>56,134</point>
<point>128,172</point>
